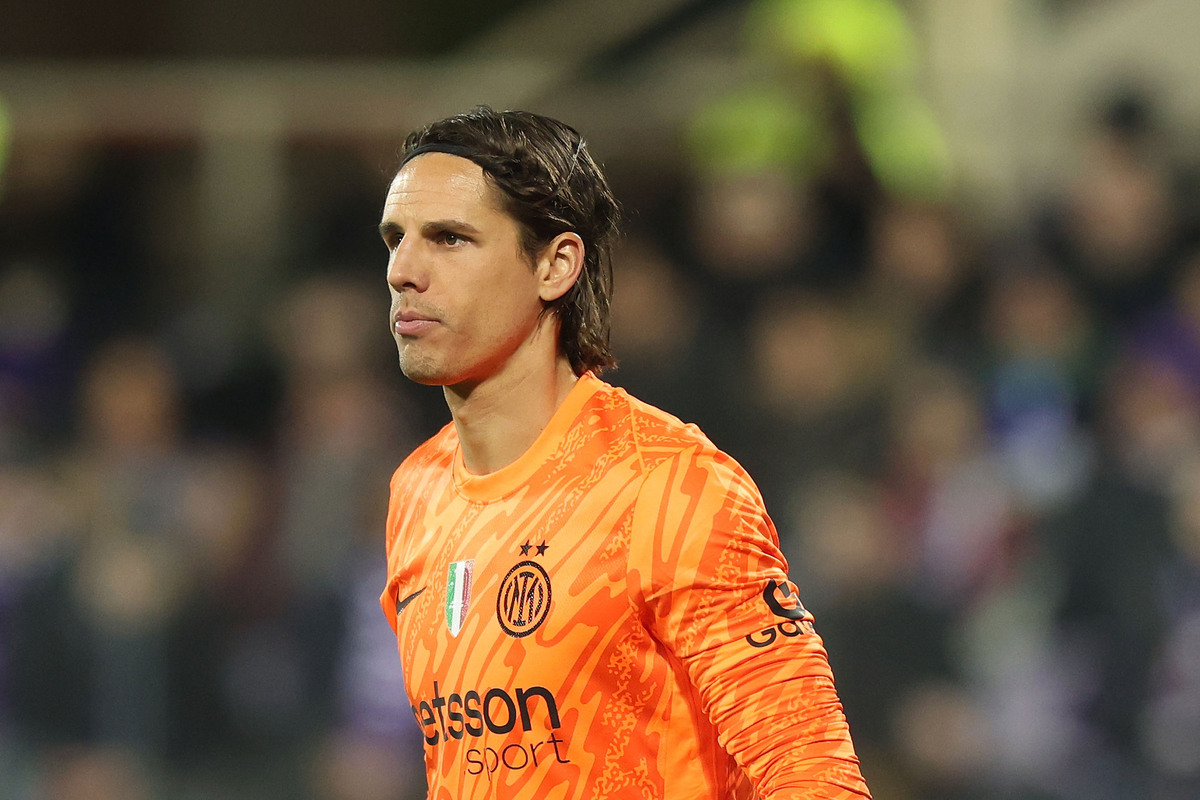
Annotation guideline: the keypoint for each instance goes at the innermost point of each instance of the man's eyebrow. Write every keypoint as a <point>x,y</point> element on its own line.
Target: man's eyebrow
<point>387,229</point>
<point>456,225</point>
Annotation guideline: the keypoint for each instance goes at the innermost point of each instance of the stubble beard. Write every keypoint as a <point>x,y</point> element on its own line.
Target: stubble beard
<point>418,367</point>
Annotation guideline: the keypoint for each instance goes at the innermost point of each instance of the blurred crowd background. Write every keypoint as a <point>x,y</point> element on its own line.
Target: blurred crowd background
<point>929,269</point>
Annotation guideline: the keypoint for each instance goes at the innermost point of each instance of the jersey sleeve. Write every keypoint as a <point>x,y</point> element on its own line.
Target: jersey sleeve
<point>716,593</point>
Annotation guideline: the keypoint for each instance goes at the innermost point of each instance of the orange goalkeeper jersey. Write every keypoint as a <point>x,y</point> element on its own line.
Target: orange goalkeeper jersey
<point>607,617</point>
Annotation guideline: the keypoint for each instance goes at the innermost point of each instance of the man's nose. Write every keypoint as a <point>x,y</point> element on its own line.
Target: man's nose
<point>405,270</point>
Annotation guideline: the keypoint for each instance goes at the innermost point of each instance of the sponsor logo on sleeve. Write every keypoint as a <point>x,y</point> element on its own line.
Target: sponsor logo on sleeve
<point>783,601</point>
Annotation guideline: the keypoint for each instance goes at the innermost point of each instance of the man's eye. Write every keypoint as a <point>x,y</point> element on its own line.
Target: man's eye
<point>451,238</point>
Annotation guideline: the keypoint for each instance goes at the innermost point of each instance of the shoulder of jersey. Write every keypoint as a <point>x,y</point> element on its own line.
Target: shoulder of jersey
<point>436,452</point>
<point>657,434</point>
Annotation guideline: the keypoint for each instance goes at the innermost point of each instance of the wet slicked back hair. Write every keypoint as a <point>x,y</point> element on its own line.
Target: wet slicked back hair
<point>549,184</point>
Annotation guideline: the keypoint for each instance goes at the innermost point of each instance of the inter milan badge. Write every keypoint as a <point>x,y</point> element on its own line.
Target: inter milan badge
<point>458,593</point>
<point>524,598</point>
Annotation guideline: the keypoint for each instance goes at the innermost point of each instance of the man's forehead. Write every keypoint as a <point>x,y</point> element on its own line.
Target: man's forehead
<point>440,173</point>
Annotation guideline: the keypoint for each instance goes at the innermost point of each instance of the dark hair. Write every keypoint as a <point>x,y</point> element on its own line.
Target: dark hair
<point>548,184</point>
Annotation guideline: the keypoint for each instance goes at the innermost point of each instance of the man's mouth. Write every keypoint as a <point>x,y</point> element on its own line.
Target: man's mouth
<point>411,323</point>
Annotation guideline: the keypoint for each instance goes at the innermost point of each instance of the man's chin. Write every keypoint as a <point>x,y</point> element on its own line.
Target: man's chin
<point>422,372</point>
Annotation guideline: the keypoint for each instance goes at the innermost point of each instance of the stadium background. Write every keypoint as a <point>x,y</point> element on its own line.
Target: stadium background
<point>930,269</point>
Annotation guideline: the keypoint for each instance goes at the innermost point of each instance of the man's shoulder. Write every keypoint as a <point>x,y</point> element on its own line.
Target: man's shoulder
<point>656,433</point>
<point>436,453</point>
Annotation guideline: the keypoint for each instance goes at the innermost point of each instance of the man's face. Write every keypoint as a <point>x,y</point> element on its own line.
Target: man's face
<point>464,295</point>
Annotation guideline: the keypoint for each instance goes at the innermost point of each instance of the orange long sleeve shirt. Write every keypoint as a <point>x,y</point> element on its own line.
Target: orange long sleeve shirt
<point>607,617</point>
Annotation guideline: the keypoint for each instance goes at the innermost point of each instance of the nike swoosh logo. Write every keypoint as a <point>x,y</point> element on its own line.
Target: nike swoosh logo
<point>404,603</point>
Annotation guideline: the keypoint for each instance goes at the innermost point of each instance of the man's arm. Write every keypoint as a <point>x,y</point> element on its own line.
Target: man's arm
<point>722,601</point>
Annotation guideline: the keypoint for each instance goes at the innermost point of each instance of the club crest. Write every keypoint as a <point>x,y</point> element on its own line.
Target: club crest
<point>524,599</point>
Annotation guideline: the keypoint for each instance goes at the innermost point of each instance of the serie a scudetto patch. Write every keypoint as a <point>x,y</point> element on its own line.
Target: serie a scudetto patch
<point>458,593</point>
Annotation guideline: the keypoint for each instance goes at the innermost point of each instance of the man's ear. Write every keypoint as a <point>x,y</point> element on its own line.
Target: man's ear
<point>559,265</point>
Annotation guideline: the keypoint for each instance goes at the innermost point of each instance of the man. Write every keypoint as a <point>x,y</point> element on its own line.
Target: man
<point>589,597</point>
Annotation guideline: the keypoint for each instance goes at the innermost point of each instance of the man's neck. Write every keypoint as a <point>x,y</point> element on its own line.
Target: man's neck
<point>499,419</point>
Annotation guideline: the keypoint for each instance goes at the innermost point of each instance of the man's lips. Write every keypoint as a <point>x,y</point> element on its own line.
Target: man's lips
<point>411,323</point>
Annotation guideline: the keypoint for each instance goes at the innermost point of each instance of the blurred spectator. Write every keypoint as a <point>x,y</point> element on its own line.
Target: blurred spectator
<point>127,580</point>
<point>33,538</point>
<point>34,315</point>
<point>918,284</point>
<point>809,386</point>
<point>750,228</point>
<point>118,635</point>
<point>1118,227</point>
<point>658,316</point>
<point>1043,362</point>
<point>1110,547</point>
<point>946,493</point>
<point>1169,727</point>
<point>1170,332</point>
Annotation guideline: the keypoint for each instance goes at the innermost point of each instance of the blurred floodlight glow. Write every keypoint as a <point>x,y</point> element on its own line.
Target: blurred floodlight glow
<point>758,128</point>
<point>866,41</point>
<point>905,145</point>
